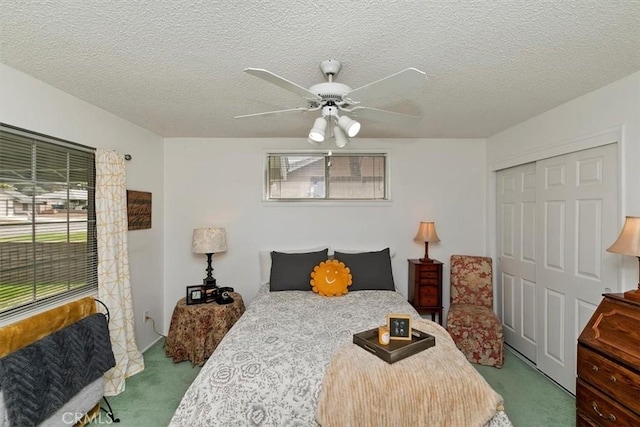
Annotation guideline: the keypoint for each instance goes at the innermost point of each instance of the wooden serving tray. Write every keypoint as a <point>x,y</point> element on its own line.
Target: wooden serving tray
<point>396,349</point>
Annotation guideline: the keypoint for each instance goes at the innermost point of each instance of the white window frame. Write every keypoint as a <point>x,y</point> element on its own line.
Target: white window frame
<point>90,288</point>
<point>267,201</point>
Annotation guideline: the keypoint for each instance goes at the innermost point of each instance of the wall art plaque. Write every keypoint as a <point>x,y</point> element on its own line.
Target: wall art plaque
<point>139,209</point>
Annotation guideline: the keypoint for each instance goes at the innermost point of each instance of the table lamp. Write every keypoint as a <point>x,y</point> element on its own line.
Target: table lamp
<point>628,243</point>
<point>427,233</point>
<point>209,241</point>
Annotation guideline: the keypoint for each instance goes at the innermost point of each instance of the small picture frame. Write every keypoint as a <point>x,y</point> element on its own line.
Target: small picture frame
<point>399,326</point>
<point>195,295</point>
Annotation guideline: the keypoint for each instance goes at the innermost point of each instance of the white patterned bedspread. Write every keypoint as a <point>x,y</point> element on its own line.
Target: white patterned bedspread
<point>268,369</point>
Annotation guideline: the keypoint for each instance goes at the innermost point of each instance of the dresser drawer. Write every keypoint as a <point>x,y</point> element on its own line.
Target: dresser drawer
<point>609,377</point>
<point>428,291</point>
<point>602,409</point>
<point>429,274</point>
<point>582,420</point>
<point>429,296</point>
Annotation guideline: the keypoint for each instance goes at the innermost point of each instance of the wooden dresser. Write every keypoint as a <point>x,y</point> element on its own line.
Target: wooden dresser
<point>608,383</point>
<point>425,287</point>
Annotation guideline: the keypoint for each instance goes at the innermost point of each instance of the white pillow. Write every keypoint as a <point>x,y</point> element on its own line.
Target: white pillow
<point>265,260</point>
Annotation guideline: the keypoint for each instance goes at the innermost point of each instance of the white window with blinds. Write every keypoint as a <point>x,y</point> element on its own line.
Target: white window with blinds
<point>48,248</point>
<point>309,176</point>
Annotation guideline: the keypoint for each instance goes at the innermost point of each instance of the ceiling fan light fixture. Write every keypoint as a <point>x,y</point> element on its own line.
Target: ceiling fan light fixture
<point>341,138</point>
<point>350,126</point>
<point>317,131</point>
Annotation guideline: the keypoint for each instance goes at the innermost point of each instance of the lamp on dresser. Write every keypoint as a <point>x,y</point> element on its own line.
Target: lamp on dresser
<point>209,241</point>
<point>427,234</point>
<point>628,243</point>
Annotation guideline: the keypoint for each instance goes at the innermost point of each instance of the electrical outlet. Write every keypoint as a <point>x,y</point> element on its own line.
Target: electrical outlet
<point>146,315</point>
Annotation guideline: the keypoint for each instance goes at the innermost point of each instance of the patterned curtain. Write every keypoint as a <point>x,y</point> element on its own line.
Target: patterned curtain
<point>114,288</point>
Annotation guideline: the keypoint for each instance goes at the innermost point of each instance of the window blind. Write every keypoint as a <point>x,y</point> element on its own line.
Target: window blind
<point>48,247</point>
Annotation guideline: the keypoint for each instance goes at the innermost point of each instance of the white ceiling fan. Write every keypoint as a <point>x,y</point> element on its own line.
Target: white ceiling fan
<point>334,99</point>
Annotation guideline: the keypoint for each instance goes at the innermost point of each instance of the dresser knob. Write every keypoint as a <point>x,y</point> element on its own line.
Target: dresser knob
<point>613,379</point>
<point>595,368</point>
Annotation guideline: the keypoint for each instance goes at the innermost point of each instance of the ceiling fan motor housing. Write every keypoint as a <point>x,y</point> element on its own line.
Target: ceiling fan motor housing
<point>330,67</point>
<point>330,91</point>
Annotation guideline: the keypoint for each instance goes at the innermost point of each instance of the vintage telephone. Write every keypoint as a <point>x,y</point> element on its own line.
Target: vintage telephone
<point>222,295</point>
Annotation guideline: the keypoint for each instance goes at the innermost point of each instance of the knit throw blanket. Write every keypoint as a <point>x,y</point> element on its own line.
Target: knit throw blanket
<point>436,387</point>
<point>40,378</point>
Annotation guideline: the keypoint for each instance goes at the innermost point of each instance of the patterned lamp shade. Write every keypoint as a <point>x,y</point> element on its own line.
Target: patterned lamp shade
<point>209,240</point>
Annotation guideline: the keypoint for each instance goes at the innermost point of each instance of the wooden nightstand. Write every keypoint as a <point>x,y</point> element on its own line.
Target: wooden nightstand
<point>425,287</point>
<point>196,330</point>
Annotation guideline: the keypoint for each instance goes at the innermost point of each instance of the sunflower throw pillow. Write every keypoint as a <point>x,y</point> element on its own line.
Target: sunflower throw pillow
<point>331,278</point>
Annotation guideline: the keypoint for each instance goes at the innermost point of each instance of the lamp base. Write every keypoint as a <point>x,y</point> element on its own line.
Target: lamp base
<point>426,258</point>
<point>209,281</point>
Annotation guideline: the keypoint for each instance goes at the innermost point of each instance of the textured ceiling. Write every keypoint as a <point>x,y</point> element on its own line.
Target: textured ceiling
<point>175,67</point>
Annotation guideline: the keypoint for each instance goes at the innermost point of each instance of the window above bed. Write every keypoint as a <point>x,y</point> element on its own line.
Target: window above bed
<point>322,176</point>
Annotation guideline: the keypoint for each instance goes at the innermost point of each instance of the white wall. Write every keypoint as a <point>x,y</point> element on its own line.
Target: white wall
<point>218,182</point>
<point>589,119</point>
<point>33,105</point>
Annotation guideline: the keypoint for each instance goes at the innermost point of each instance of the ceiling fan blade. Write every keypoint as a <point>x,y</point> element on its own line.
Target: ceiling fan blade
<point>283,83</point>
<point>266,113</point>
<point>392,85</point>
<point>384,116</point>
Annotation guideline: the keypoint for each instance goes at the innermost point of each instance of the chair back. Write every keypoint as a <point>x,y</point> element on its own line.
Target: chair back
<point>472,280</point>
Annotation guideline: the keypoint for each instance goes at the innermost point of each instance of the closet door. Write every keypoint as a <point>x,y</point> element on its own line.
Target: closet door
<point>577,205</point>
<point>516,272</point>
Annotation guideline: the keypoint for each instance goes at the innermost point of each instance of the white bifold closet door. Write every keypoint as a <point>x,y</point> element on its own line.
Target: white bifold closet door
<point>553,279</point>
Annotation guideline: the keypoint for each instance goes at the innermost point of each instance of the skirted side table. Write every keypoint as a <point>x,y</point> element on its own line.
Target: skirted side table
<point>196,330</point>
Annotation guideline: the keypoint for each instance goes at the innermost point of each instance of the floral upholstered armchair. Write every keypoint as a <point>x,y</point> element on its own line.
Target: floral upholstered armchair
<point>473,325</point>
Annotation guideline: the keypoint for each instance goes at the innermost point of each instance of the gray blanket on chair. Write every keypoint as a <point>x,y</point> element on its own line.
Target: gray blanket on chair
<point>40,378</point>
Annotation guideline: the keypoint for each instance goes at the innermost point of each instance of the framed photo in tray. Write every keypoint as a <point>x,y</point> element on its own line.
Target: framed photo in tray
<point>399,326</point>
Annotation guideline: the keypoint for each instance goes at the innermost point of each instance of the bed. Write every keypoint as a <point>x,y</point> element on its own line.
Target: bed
<point>290,359</point>
<point>269,368</point>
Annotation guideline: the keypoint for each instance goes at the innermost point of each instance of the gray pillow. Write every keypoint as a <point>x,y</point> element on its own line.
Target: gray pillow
<point>292,271</point>
<point>370,271</point>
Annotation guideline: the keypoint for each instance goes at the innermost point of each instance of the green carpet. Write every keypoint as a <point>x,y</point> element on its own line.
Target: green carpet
<point>530,398</point>
<point>152,396</point>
